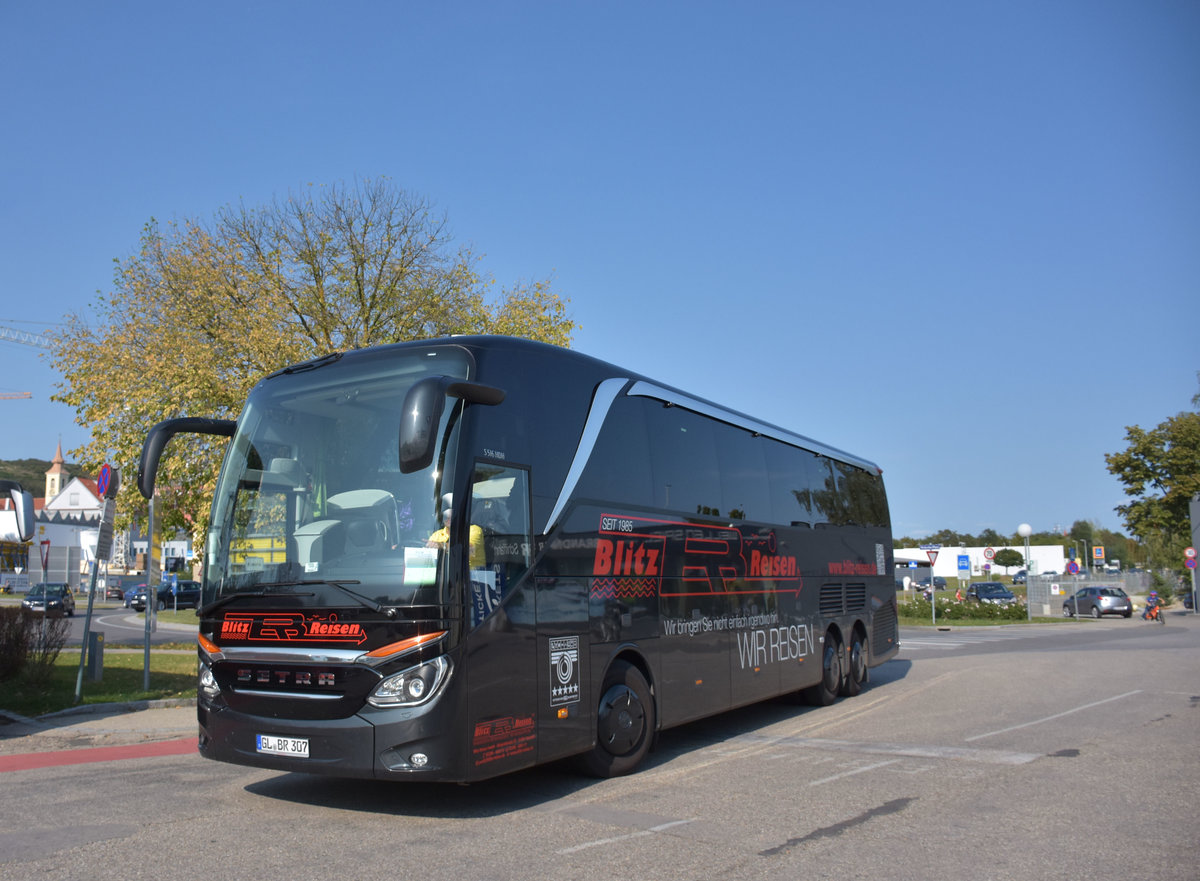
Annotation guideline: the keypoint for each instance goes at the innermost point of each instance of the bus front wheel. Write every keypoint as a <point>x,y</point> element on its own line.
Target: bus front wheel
<point>826,691</point>
<point>624,723</point>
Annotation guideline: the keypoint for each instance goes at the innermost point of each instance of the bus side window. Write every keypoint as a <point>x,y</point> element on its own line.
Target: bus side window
<point>500,508</point>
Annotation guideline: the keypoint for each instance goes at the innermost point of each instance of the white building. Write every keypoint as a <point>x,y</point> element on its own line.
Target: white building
<point>975,564</point>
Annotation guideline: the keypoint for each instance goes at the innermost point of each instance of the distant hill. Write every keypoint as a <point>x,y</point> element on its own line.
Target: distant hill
<point>31,473</point>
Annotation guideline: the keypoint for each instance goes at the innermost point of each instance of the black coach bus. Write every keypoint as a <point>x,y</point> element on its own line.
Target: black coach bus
<point>452,559</point>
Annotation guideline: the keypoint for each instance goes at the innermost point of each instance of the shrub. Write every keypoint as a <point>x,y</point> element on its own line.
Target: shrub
<point>14,641</point>
<point>47,636</point>
<point>949,610</point>
<point>30,642</point>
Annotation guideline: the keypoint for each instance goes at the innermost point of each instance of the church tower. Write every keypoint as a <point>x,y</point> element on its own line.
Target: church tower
<point>56,477</point>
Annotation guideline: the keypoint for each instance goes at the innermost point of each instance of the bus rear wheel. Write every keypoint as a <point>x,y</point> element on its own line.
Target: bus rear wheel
<point>856,667</point>
<point>624,723</point>
<point>826,691</point>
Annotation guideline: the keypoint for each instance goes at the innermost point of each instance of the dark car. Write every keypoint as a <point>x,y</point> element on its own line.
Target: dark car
<point>939,583</point>
<point>50,597</point>
<point>114,592</point>
<point>1021,576</point>
<point>992,592</point>
<point>138,603</point>
<point>184,595</point>
<point>1097,601</point>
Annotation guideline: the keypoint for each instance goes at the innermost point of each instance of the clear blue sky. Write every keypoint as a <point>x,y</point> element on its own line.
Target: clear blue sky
<point>962,240</point>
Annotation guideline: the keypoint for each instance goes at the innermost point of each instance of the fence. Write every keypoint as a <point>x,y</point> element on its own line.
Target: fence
<point>63,565</point>
<point>1048,592</point>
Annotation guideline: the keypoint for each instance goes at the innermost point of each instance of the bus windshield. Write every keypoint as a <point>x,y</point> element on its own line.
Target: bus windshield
<point>312,489</point>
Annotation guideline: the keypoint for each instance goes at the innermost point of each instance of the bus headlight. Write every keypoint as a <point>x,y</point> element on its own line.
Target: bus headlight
<point>411,687</point>
<point>208,683</point>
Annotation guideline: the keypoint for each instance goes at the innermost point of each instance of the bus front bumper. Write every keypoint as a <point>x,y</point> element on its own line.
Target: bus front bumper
<point>390,745</point>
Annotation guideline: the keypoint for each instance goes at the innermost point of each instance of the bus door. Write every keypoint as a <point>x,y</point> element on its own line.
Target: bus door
<point>499,608</point>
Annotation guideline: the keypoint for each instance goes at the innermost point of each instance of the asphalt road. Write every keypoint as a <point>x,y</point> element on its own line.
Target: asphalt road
<point>118,624</point>
<point>1062,751</point>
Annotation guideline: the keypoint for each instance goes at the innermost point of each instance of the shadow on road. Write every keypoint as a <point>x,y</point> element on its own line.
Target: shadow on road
<point>536,786</point>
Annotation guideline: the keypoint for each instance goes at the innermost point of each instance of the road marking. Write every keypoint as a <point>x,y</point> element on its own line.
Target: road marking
<point>908,750</point>
<point>851,773</point>
<point>1056,715</point>
<point>600,842</point>
<point>958,640</point>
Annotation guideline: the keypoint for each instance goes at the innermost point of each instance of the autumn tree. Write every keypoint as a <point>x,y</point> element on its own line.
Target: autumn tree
<point>1160,470</point>
<point>204,309</point>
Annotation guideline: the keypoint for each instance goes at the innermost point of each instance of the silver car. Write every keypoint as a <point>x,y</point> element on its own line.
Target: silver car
<point>1098,600</point>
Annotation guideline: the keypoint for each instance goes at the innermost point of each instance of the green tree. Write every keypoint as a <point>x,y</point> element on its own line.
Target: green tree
<point>1160,470</point>
<point>1008,558</point>
<point>206,308</point>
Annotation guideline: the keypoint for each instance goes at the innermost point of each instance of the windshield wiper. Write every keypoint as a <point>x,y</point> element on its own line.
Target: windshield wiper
<point>253,594</point>
<point>390,611</point>
<point>264,590</point>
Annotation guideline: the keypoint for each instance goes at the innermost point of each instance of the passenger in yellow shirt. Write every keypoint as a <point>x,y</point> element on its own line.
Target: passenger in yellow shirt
<point>441,537</point>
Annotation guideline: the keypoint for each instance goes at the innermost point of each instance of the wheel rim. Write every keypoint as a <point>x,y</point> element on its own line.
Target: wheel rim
<point>1095,611</point>
<point>622,720</point>
<point>833,667</point>
<point>858,662</point>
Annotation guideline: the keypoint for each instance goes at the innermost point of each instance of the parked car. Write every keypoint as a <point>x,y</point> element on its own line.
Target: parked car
<point>50,597</point>
<point>939,583</point>
<point>991,592</point>
<point>138,603</point>
<point>1021,577</point>
<point>1098,600</point>
<point>184,595</point>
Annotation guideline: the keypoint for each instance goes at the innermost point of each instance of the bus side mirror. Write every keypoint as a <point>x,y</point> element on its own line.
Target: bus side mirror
<point>423,406</point>
<point>422,412</point>
<point>158,436</point>
<point>22,505</point>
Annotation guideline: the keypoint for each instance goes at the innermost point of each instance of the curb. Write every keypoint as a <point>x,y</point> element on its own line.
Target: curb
<point>101,709</point>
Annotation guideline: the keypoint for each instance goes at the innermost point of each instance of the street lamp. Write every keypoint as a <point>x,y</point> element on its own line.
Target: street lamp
<point>1025,530</point>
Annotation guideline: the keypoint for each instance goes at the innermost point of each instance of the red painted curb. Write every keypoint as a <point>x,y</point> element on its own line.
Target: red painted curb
<point>30,761</point>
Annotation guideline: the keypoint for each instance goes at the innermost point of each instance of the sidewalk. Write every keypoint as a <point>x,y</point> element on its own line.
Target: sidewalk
<point>98,725</point>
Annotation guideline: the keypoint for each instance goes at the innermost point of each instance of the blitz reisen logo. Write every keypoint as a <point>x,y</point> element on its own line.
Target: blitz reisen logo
<point>635,554</point>
<point>290,627</point>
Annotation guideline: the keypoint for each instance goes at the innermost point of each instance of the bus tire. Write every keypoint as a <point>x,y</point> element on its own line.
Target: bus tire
<point>856,667</point>
<point>826,691</point>
<point>624,723</point>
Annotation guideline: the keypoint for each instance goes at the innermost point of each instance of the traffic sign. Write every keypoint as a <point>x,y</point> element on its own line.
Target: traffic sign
<point>108,482</point>
<point>989,553</point>
<point>1073,568</point>
<point>1190,553</point>
<point>1190,563</point>
<point>932,557</point>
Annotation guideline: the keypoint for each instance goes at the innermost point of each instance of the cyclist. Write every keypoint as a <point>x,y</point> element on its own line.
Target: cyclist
<point>1151,611</point>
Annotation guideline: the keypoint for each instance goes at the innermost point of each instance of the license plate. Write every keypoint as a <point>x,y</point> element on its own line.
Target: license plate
<point>283,746</point>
